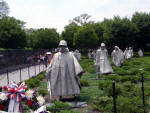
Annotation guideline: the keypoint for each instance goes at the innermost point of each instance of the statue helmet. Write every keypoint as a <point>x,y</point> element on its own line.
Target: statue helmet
<point>62,43</point>
<point>116,47</point>
<point>102,44</point>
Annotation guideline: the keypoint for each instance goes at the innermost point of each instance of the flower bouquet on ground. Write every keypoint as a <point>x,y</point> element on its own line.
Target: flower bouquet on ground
<point>3,102</point>
<point>14,98</point>
<point>11,97</point>
<point>34,101</point>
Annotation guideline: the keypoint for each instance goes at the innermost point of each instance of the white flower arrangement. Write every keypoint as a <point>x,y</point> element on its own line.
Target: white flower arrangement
<point>3,96</point>
<point>40,100</point>
<point>29,94</point>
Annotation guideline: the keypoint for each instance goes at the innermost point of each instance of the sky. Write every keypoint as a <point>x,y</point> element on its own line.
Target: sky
<point>57,13</point>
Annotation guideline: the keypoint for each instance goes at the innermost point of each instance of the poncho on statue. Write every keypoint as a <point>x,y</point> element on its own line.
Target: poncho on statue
<point>129,53</point>
<point>62,73</point>
<point>77,54</point>
<point>140,53</point>
<point>125,53</point>
<point>118,56</point>
<point>102,62</point>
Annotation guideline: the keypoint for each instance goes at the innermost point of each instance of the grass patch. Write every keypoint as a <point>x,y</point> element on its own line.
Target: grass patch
<point>88,94</point>
<point>98,93</point>
<point>128,86</point>
<point>87,65</point>
<point>59,107</point>
<point>35,81</point>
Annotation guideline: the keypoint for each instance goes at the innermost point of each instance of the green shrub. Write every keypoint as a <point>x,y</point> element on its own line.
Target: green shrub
<point>88,94</point>
<point>136,62</point>
<point>104,84</point>
<point>147,89</point>
<point>134,71</point>
<point>88,65</point>
<point>89,76</point>
<point>109,90</point>
<point>128,86</point>
<point>84,83</point>
<point>103,104</point>
<point>26,109</point>
<point>41,76</point>
<point>129,89</point>
<point>133,79</point>
<point>34,81</point>
<point>147,69</point>
<point>129,105</point>
<point>58,106</point>
<point>121,71</point>
<point>43,84</point>
<point>125,67</point>
<point>113,77</point>
<point>42,91</point>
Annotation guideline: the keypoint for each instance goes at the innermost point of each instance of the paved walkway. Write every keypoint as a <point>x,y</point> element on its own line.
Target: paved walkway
<point>24,75</point>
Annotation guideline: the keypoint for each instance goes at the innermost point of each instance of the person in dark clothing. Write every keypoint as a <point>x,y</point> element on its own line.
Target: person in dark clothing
<point>45,60</point>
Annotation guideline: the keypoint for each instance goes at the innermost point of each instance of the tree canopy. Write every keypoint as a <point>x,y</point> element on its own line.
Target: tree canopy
<point>11,33</point>
<point>142,22</point>
<point>79,33</point>
<point>43,38</point>
<point>68,34</point>
<point>86,37</point>
<point>4,9</point>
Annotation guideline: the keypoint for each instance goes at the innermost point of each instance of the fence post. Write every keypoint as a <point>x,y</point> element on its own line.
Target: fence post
<point>28,71</point>
<point>142,88</point>
<point>20,73</point>
<point>7,77</point>
<point>114,96</point>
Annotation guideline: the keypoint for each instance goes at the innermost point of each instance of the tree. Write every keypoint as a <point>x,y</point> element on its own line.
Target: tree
<point>44,38</point>
<point>86,37</point>
<point>4,9</point>
<point>11,33</point>
<point>99,30</point>
<point>120,32</point>
<point>68,34</point>
<point>30,33</point>
<point>142,21</point>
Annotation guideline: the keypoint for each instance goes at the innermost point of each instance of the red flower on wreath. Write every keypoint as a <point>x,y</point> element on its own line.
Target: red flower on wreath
<point>1,107</point>
<point>29,102</point>
<point>5,88</point>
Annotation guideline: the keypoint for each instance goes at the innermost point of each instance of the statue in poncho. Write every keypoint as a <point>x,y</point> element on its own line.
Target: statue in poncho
<point>77,54</point>
<point>62,73</point>
<point>102,62</point>
<point>129,53</point>
<point>118,56</point>
<point>94,55</point>
<point>89,55</point>
<point>140,53</point>
<point>125,53</point>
